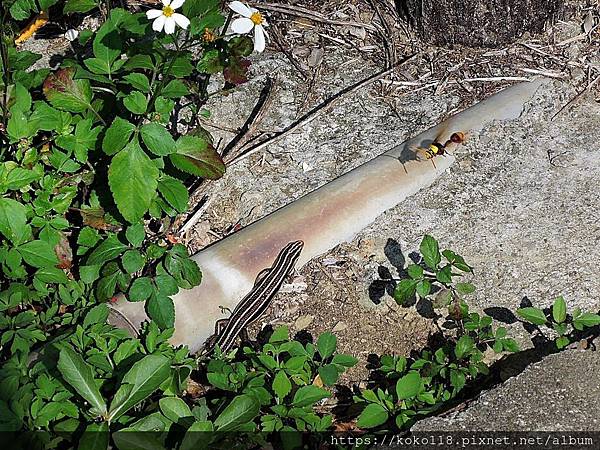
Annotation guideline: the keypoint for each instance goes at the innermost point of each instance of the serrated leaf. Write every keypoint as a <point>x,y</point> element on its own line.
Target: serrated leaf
<point>63,92</point>
<point>431,252</point>
<point>139,81</point>
<point>79,375</point>
<point>158,140</point>
<point>241,410</point>
<point>408,386</point>
<point>161,309</point>
<point>136,102</point>
<point>197,157</point>
<point>140,289</point>
<point>329,374</point>
<point>98,314</point>
<point>559,310</point>
<point>404,291</point>
<point>135,234</point>
<point>281,385</point>
<point>174,192</point>
<point>13,220</point>
<point>144,377</point>
<point>326,344</point>
<point>79,6</point>
<point>463,346</point>
<point>132,261</point>
<point>117,136</point>
<point>309,395</point>
<point>133,180</point>
<point>372,416</point>
<point>534,315</point>
<point>38,254</point>
<point>109,249</point>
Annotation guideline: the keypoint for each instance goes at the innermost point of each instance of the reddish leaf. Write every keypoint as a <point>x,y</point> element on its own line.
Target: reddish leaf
<point>197,157</point>
<point>65,93</point>
<point>237,71</point>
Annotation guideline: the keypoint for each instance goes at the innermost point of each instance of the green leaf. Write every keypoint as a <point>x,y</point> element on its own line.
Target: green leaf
<point>98,314</point>
<point>136,102</point>
<point>465,288</point>
<point>196,436</point>
<point>197,157</point>
<point>79,375</point>
<point>431,252</point>
<point>140,289</point>
<point>344,360</point>
<point>559,310</point>
<point>51,275</point>
<point>372,416</point>
<point>329,374</point>
<point>280,334</point>
<point>67,94</point>
<point>78,6</point>
<point>309,395</point>
<point>586,320</point>
<point>144,377</point>
<point>38,254</point>
<point>415,271</point>
<point>174,408</point>
<point>534,315</point>
<point>174,89</point>
<point>95,437</point>
<point>133,261</point>
<point>423,288</point>
<point>161,309</point>
<point>281,385</point>
<point>133,180</point>
<point>464,346</point>
<point>562,342</point>
<point>174,192</point>
<point>107,45</point>
<point>444,275</point>
<point>408,386</point>
<point>89,274</point>
<point>19,178</point>
<point>158,140</point>
<point>18,127</point>
<point>326,344</point>
<point>241,410</point>
<point>109,249</point>
<point>181,66</point>
<point>117,136</point>
<point>13,220</point>
<point>136,234</point>
<point>404,291</point>
<point>139,81</point>
<point>457,379</point>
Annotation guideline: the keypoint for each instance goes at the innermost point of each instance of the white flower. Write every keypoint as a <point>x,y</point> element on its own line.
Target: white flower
<point>71,34</point>
<point>167,17</point>
<point>250,19</point>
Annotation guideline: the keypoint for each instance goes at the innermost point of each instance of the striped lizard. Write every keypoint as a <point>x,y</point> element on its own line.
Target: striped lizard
<point>254,304</point>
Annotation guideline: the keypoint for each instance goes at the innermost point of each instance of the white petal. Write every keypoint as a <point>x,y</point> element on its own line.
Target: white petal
<point>240,8</point>
<point>181,20</point>
<point>259,39</point>
<point>159,23</point>
<point>242,25</point>
<point>153,13</point>
<point>176,4</point>
<point>170,25</point>
<point>166,2</point>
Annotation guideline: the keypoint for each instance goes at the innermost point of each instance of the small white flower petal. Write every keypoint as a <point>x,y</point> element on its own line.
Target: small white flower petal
<point>242,25</point>
<point>166,2</point>
<point>176,4</point>
<point>181,20</point>
<point>240,8</point>
<point>153,13</point>
<point>71,34</point>
<point>259,39</point>
<point>159,23</point>
<point>169,25</point>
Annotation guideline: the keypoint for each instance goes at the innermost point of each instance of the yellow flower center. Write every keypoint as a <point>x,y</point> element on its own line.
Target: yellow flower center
<point>168,11</point>
<point>257,18</point>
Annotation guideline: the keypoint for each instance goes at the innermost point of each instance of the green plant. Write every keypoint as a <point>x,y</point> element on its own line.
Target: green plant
<point>283,379</point>
<point>557,318</point>
<point>416,386</point>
